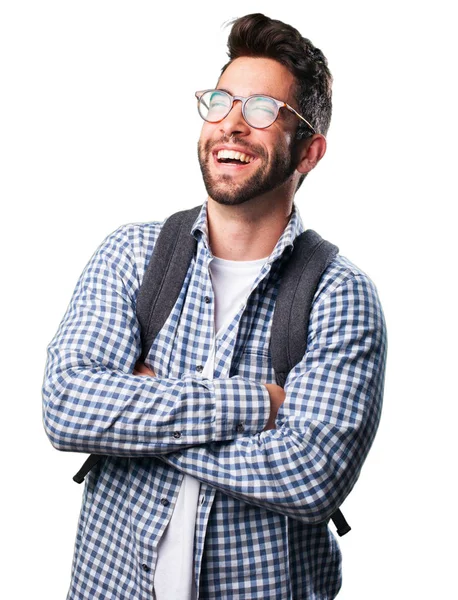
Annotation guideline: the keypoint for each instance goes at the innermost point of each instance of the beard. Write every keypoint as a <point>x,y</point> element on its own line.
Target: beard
<point>225,190</point>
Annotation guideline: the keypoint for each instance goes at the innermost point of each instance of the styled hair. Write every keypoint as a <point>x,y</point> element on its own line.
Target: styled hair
<point>259,36</point>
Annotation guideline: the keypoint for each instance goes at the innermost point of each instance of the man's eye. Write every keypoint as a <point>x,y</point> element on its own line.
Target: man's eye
<point>218,100</point>
<point>266,109</point>
<point>261,105</point>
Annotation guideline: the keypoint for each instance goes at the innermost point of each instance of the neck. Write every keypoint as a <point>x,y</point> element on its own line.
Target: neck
<point>247,231</point>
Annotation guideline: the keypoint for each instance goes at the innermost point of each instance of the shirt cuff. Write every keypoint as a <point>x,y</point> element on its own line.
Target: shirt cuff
<point>242,407</point>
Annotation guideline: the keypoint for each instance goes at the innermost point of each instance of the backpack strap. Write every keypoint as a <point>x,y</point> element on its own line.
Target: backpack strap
<point>88,464</point>
<point>310,257</point>
<point>340,522</point>
<point>162,282</point>
<point>165,275</point>
<point>308,261</point>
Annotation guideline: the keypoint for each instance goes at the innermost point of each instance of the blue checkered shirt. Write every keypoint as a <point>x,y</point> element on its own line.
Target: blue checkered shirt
<point>266,496</point>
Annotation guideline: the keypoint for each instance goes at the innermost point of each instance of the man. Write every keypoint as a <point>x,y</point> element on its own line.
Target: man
<point>216,482</point>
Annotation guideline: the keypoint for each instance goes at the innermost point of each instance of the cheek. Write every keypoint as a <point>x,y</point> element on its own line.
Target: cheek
<point>287,143</point>
<point>206,138</point>
<point>279,149</point>
<point>285,137</point>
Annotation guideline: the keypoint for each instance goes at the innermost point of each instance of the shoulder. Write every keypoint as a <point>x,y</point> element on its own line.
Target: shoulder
<point>131,244</point>
<point>346,298</point>
<point>138,240</point>
<point>141,238</point>
<point>341,273</point>
<point>121,258</point>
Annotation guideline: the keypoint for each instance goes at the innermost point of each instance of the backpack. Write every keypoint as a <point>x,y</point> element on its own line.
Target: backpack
<point>164,278</point>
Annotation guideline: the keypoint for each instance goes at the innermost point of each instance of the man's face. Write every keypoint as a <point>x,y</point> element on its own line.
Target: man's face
<point>271,149</point>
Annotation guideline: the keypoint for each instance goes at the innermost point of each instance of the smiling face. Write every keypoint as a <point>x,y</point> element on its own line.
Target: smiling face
<point>267,155</point>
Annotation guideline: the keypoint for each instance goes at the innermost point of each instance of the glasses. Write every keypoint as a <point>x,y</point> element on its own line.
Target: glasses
<point>258,111</point>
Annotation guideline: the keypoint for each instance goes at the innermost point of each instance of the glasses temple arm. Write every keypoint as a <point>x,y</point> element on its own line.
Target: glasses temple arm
<point>300,117</point>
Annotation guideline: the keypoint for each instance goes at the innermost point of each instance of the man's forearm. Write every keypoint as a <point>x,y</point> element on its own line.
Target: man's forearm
<point>105,412</point>
<point>92,402</point>
<point>324,428</point>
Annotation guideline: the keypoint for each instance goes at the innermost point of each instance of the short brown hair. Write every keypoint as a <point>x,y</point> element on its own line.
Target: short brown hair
<point>259,36</point>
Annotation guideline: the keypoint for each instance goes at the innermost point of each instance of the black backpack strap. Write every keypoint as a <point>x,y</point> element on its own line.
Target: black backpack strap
<point>308,261</point>
<point>160,288</point>
<point>88,464</point>
<point>340,522</point>
<point>303,271</point>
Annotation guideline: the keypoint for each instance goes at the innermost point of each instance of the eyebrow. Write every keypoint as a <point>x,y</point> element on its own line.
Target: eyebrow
<point>256,94</point>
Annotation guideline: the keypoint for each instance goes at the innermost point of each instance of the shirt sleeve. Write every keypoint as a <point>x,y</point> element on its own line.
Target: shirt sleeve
<point>306,467</point>
<point>91,400</point>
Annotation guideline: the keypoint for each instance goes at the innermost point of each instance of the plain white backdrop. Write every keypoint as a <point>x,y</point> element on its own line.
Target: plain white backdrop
<point>99,127</point>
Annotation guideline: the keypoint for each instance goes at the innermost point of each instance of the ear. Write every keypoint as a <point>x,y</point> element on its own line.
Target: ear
<point>310,152</point>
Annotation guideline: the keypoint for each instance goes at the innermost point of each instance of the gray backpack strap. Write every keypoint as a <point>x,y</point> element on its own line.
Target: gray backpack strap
<point>160,288</point>
<point>310,257</point>
<point>165,275</point>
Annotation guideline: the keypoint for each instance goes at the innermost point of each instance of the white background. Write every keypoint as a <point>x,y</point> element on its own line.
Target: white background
<point>99,128</point>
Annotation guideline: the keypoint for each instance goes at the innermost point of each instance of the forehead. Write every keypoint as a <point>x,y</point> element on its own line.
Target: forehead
<point>248,75</point>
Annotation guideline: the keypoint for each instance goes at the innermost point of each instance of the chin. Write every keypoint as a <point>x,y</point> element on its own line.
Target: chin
<point>222,189</point>
<point>227,200</point>
<point>225,192</point>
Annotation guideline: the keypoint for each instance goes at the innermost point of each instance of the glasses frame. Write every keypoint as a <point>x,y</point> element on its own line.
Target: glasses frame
<point>244,99</point>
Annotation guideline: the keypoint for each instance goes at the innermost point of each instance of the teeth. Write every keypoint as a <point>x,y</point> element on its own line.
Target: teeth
<point>235,155</point>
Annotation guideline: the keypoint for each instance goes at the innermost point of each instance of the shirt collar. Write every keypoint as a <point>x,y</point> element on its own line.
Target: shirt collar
<point>294,228</point>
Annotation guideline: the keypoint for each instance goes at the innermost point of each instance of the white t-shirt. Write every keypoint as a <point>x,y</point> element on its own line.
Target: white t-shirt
<point>232,281</point>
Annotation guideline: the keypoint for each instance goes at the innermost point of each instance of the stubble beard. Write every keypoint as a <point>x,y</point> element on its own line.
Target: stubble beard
<point>224,190</point>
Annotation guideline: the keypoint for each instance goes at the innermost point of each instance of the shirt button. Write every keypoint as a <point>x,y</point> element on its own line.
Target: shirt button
<point>164,502</point>
<point>199,368</point>
<point>145,567</point>
<point>176,435</point>
<point>207,299</point>
<point>240,428</point>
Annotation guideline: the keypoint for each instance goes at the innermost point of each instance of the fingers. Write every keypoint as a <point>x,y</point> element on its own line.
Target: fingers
<point>277,397</point>
<point>141,369</point>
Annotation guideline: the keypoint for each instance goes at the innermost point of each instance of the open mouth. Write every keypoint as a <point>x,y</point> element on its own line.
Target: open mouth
<point>232,157</point>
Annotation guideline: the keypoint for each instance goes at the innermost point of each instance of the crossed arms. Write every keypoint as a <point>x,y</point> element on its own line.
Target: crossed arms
<point>276,393</point>
<point>301,462</point>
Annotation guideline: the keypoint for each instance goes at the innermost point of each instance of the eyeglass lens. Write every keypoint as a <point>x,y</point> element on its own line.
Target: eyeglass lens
<point>259,111</point>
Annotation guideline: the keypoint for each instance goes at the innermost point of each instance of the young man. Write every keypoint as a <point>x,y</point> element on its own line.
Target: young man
<point>216,482</point>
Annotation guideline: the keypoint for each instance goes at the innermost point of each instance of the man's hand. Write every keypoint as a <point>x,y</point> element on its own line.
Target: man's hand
<point>141,369</point>
<point>277,397</point>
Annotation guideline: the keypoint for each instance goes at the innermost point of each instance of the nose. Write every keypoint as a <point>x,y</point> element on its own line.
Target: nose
<point>234,123</point>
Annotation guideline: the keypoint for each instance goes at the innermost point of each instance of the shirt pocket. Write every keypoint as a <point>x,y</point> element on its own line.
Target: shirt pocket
<point>255,364</point>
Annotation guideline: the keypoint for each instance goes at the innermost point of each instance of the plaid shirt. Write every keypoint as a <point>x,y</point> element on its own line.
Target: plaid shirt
<point>266,496</point>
